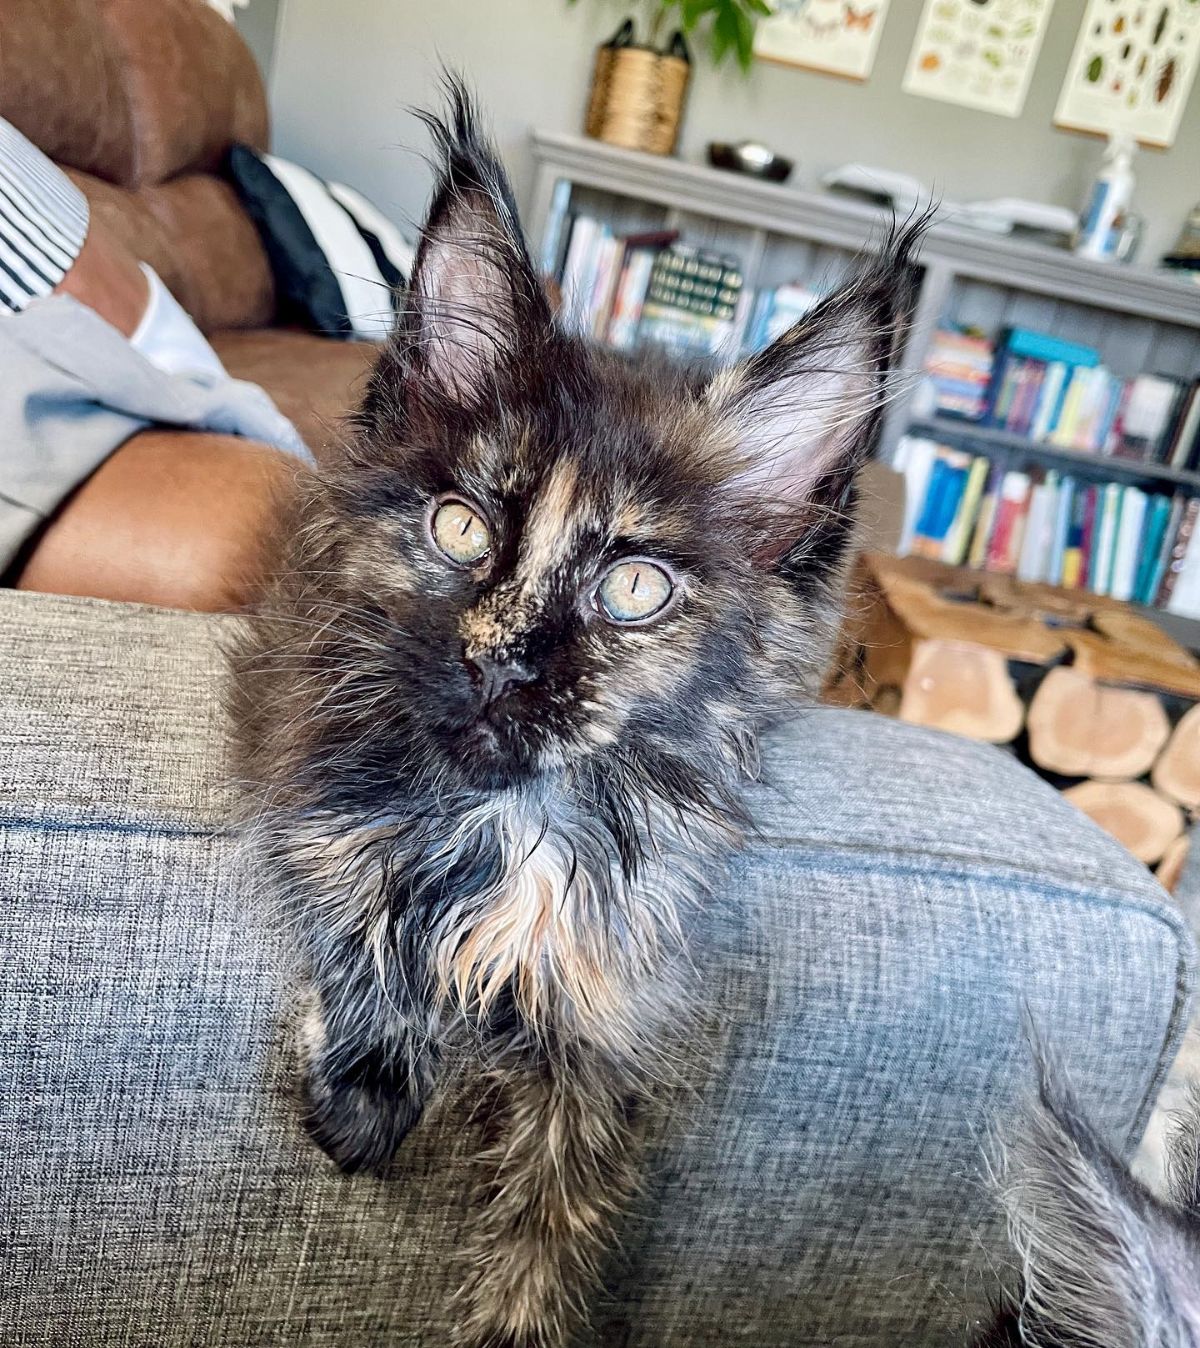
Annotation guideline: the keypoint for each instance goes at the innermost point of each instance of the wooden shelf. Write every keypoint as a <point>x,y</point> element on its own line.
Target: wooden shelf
<point>966,435</point>
<point>851,223</point>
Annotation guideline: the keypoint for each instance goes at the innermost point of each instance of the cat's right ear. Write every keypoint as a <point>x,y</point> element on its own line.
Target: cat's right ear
<point>474,298</point>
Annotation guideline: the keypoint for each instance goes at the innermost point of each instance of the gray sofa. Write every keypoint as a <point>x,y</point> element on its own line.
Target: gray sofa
<point>862,982</point>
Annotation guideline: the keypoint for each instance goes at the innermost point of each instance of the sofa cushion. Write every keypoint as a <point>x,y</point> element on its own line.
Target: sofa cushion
<point>339,265</point>
<point>192,86</point>
<point>194,233</point>
<point>61,84</point>
<point>130,91</point>
<point>861,982</point>
<point>315,382</point>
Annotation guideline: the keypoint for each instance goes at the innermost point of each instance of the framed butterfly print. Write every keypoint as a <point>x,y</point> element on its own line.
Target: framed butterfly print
<point>1132,69</point>
<point>978,53</point>
<point>839,37</point>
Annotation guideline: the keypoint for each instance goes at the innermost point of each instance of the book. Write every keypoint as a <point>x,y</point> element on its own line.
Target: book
<point>630,296</point>
<point>1108,515</point>
<point>1012,503</point>
<point>1050,396</point>
<point>914,460</point>
<point>555,233</point>
<point>610,252</point>
<point>959,368</point>
<point>980,538</point>
<point>1158,515</point>
<point>1092,509</point>
<point>1068,416</point>
<point>1067,492</point>
<point>577,271</point>
<point>1163,560</point>
<point>1042,346</point>
<point>947,483</point>
<point>958,536</point>
<point>1131,519</point>
<point>1036,546</point>
<point>1185,594</point>
<point>1179,547</point>
<point>1148,414</point>
<point>1029,385</point>
<point>1180,452</point>
<point>1075,558</point>
<point>691,301</point>
<point>1004,391</point>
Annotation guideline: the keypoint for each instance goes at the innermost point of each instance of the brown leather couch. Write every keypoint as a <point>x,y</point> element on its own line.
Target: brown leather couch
<point>139,100</point>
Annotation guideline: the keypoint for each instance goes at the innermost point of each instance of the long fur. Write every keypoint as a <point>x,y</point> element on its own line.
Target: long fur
<point>515,881</point>
<point>1103,1262</point>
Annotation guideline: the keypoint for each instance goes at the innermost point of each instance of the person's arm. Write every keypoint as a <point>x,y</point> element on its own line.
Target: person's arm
<point>172,517</point>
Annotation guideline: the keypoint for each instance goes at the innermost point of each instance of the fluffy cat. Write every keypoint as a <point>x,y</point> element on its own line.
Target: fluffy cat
<point>505,688</point>
<point>1104,1263</point>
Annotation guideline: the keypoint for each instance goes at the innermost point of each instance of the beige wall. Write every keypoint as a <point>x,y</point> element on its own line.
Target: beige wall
<point>345,70</point>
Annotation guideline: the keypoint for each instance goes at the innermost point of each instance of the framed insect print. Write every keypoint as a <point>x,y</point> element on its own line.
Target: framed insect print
<point>1132,69</point>
<point>978,53</point>
<point>839,37</point>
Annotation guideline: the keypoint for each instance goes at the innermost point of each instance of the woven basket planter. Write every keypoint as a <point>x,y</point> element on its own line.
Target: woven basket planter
<point>637,98</point>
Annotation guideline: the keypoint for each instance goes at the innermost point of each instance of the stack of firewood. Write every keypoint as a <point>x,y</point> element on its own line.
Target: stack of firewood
<point>1093,696</point>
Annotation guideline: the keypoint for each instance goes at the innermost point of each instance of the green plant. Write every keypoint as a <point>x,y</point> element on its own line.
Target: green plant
<point>728,25</point>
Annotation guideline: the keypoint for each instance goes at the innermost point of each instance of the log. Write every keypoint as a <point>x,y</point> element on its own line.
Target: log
<point>1170,869</point>
<point>962,688</point>
<point>1177,772</point>
<point>1135,815</point>
<point>1081,728</point>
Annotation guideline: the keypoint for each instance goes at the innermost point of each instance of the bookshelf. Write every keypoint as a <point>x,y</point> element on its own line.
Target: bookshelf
<point>986,439</point>
<point>1137,319</point>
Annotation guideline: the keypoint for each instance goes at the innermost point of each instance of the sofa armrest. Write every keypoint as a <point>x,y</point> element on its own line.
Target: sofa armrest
<point>861,978</point>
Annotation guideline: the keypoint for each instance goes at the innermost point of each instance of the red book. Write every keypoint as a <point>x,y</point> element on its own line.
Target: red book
<point>1004,546</point>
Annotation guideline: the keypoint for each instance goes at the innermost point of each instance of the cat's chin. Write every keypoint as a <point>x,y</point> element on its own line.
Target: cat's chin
<point>495,757</point>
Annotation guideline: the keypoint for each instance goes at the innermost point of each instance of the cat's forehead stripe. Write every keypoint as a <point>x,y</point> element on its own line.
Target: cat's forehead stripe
<point>550,531</point>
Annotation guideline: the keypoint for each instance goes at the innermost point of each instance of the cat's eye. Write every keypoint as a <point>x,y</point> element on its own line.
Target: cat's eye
<point>459,532</point>
<point>634,592</point>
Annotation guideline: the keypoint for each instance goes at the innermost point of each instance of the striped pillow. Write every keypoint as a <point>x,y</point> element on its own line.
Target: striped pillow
<point>340,265</point>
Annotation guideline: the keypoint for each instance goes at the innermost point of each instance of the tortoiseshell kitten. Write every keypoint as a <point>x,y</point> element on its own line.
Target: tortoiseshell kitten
<point>522,638</point>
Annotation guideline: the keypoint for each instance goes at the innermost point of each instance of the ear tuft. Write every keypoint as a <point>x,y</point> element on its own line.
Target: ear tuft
<point>474,297</point>
<point>804,410</point>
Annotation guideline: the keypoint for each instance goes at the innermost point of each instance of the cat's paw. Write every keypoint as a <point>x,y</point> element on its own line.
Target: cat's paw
<point>358,1123</point>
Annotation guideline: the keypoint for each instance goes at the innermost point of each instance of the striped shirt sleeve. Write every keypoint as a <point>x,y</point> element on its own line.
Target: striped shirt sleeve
<point>43,222</point>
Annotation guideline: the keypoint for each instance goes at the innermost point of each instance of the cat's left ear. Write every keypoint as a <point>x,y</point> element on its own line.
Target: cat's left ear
<point>474,297</point>
<point>803,412</point>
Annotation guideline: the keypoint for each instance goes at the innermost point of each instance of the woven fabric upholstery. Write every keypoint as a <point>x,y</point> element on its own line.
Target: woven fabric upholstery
<point>862,977</point>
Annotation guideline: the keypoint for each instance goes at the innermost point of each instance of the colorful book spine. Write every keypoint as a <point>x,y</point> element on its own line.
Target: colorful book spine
<point>1163,560</point>
<point>1108,508</point>
<point>1067,493</point>
<point>958,537</point>
<point>1004,545</point>
<point>1179,549</point>
<point>1074,570</point>
<point>1159,510</point>
<point>947,484</point>
<point>1132,519</point>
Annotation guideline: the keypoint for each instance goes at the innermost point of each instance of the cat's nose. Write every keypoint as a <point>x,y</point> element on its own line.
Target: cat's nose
<point>494,678</point>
